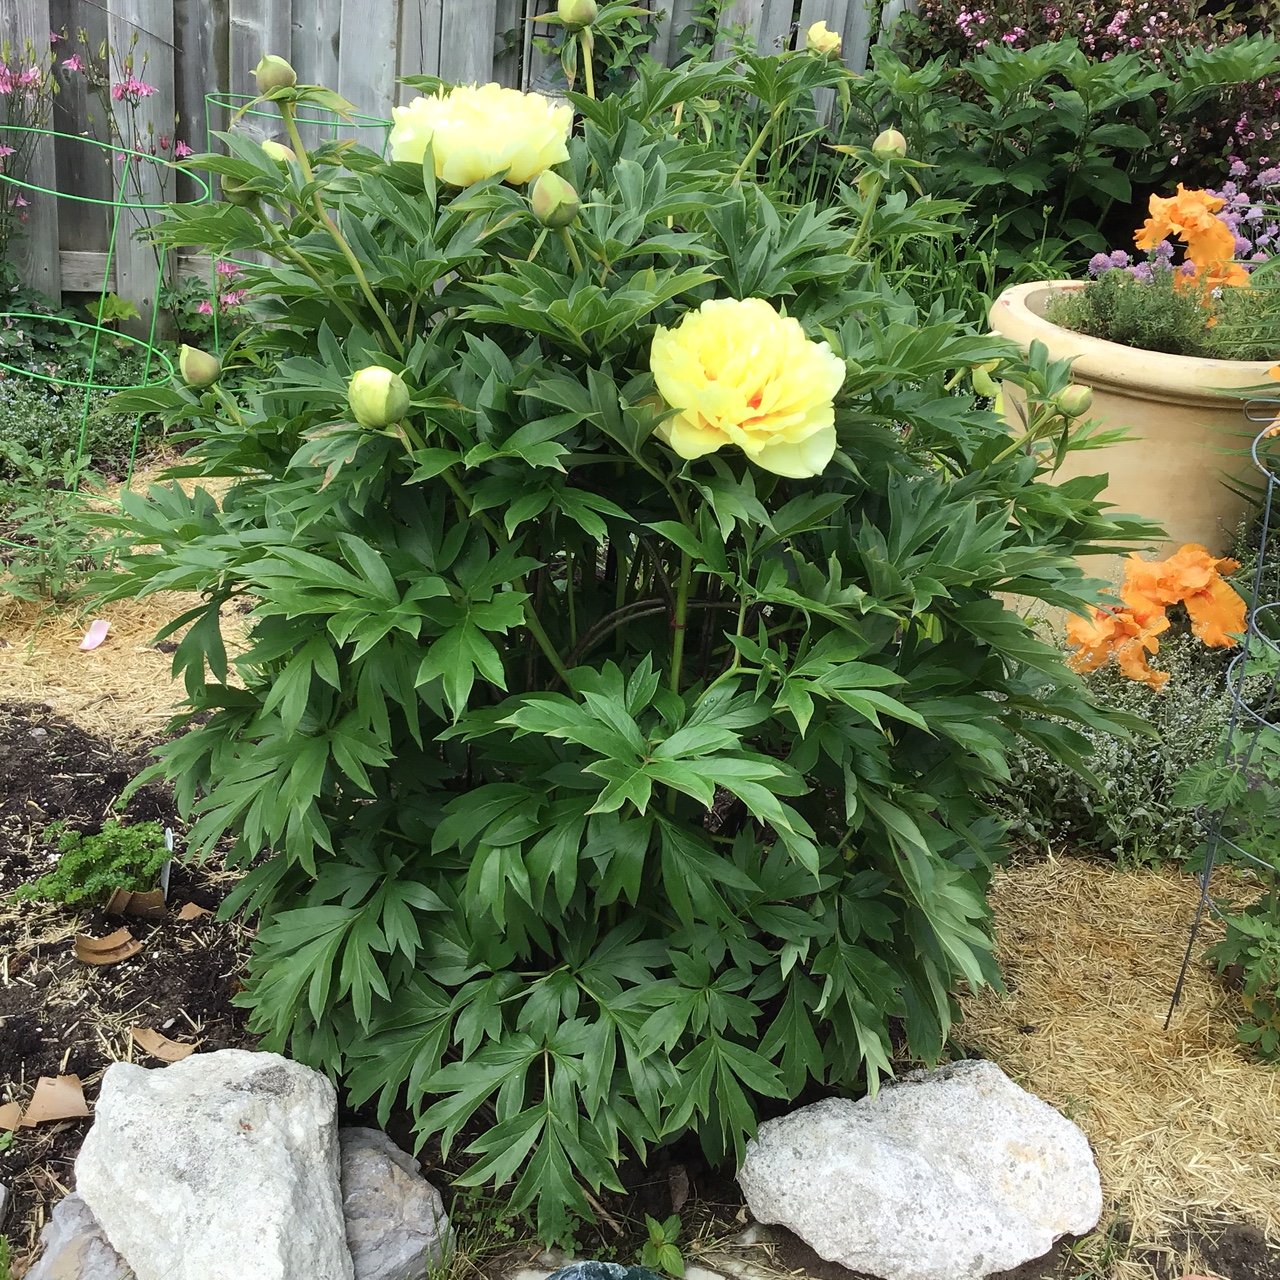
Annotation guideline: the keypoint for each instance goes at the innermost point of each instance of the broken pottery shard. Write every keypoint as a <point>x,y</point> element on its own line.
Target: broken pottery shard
<point>159,1046</point>
<point>949,1175</point>
<point>60,1098</point>
<point>395,1219</point>
<point>73,1247</point>
<point>240,1175</point>
<point>112,949</point>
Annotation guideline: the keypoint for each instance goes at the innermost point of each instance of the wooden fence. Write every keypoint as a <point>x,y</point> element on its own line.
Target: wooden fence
<point>359,47</point>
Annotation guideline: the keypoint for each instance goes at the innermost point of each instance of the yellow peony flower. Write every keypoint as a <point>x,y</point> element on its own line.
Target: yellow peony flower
<point>821,40</point>
<point>741,374</point>
<point>478,132</point>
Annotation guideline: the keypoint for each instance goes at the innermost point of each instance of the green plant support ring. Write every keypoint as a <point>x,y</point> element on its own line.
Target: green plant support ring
<point>164,364</point>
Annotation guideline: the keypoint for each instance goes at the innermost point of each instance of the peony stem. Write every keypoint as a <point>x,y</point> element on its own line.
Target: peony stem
<point>678,623</point>
<point>587,43</point>
<point>754,149</point>
<point>304,163</point>
<point>572,249</point>
<point>864,227</point>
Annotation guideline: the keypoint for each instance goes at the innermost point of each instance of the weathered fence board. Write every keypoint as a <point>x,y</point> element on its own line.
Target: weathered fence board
<point>360,47</point>
<point>35,252</point>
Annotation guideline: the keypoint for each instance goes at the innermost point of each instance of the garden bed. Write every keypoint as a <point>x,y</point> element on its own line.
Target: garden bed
<point>57,1015</point>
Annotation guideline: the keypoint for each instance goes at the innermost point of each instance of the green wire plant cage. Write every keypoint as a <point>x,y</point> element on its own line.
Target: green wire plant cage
<point>123,213</point>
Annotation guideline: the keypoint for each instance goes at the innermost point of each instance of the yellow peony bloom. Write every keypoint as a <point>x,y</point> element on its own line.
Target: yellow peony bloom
<point>476,132</point>
<point>741,374</point>
<point>821,40</point>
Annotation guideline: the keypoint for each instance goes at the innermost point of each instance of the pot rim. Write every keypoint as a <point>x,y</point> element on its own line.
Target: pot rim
<point>1018,314</point>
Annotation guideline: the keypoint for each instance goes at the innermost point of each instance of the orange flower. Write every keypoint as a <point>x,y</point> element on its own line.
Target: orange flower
<point>1188,215</point>
<point>1116,633</point>
<point>1192,576</point>
<point>1274,372</point>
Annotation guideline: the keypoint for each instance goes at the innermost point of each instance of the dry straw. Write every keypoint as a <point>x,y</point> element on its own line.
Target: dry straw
<point>1184,1121</point>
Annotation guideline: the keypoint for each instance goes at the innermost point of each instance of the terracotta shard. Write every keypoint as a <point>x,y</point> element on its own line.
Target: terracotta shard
<point>55,1098</point>
<point>160,1046</point>
<point>10,1116</point>
<point>193,911</point>
<point>146,906</point>
<point>112,949</point>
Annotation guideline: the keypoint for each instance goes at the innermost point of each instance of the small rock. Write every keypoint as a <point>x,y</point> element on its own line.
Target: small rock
<point>396,1225</point>
<point>951,1174</point>
<point>223,1166</point>
<point>4,1202</point>
<point>37,733</point>
<point>73,1247</point>
<point>601,1271</point>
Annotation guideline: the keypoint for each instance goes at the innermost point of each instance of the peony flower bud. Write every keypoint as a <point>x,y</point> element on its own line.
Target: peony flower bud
<point>819,39</point>
<point>198,368</point>
<point>576,13</point>
<point>889,143</point>
<point>1073,401</point>
<point>274,73</point>
<point>377,396</point>
<point>983,383</point>
<point>555,202</point>
<point>234,192</point>
<point>278,151</point>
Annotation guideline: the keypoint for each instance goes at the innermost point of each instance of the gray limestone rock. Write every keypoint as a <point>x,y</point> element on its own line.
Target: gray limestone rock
<point>73,1247</point>
<point>223,1166</point>
<point>950,1174</point>
<point>396,1225</point>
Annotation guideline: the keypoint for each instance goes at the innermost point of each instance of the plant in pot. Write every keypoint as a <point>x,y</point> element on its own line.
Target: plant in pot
<point>1172,351</point>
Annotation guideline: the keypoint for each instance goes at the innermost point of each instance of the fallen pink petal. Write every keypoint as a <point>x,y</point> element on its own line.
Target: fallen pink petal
<point>96,634</point>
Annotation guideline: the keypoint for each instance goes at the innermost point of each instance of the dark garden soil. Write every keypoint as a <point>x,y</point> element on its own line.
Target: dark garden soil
<point>59,1016</point>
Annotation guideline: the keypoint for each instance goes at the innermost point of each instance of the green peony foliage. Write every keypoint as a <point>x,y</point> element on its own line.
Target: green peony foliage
<point>588,794</point>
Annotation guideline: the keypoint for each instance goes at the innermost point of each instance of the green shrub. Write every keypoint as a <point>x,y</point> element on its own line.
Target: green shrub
<point>91,868</point>
<point>42,418</point>
<point>589,792</point>
<point>1129,812</point>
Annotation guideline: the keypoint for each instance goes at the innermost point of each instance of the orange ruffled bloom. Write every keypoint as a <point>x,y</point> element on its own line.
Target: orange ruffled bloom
<point>1190,216</point>
<point>1192,577</point>
<point>1116,633</point>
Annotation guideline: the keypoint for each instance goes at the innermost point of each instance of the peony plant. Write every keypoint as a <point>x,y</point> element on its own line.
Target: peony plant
<point>627,671</point>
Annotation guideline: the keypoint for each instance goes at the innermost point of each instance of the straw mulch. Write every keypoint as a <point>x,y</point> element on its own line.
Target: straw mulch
<point>1184,1121</point>
<point>123,690</point>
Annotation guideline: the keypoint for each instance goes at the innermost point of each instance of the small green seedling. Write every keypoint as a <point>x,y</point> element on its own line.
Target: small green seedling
<point>660,1252</point>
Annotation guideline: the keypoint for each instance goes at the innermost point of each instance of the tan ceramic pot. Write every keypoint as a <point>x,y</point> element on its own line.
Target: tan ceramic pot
<point>1188,439</point>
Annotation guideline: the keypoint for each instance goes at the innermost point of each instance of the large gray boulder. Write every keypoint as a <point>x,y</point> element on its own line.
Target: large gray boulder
<point>397,1228</point>
<point>223,1166</point>
<point>73,1247</point>
<point>950,1174</point>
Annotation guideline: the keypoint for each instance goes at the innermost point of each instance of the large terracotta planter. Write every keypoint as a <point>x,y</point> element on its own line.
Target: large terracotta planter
<point>1188,439</point>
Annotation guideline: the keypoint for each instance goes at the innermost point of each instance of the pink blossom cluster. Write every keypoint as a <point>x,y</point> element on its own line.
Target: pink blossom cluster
<point>229,299</point>
<point>132,90</point>
<point>12,80</point>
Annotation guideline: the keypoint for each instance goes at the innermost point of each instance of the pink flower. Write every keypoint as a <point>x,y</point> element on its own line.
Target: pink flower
<point>132,90</point>
<point>73,63</point>
<point>234,298</point>
<point>205,308</point>
<point>19,202</point>
<point>5,151</point>
<point>228,269</point>
<point>28,78</point>
<point>181,150</point>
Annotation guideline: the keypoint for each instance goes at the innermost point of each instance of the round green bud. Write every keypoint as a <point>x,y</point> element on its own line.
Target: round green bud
<point>237,193</point>
<point>274,73</point>
<point>1073,401</point>
<point>377,396</point>
<point>889,143</point>
<point>555,203</point>
<point>278,151</point>
<point>577,13</point>
<point>198,368</point>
